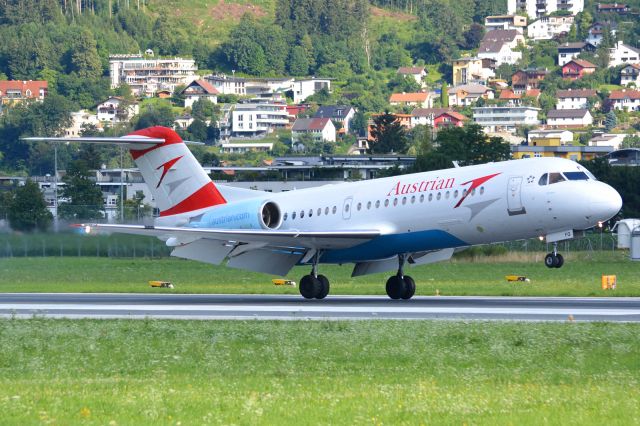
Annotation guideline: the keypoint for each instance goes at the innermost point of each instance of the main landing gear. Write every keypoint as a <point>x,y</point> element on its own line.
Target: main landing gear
<point>554,259</point>
<point>401,286</point>
<point>314,286</point>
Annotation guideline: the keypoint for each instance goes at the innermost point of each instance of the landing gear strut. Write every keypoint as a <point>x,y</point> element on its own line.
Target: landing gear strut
<point>401,286</point>
<point>314,286</point>
<point>554,259</point>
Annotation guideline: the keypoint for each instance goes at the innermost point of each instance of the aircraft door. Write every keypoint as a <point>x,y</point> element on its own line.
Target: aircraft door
<point>514,196</point>
<point>346,208</point>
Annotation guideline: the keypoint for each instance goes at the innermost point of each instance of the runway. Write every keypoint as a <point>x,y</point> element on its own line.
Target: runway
<point>269,307</point>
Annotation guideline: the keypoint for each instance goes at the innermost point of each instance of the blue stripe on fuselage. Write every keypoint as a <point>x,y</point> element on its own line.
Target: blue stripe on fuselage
<point>390,245</point>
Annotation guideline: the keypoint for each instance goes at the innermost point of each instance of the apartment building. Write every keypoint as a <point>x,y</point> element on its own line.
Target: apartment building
<point>148,76</point>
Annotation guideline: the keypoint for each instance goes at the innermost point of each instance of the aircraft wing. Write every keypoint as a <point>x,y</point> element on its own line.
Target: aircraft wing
<point>273,252</point>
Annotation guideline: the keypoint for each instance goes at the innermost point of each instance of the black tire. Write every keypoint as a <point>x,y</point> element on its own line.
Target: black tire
<point>410,287</point>
<point>550,261</point>
<point>559,261</point>
<point>309,286</point>
<point>324,287</point>
<point>395,287</point>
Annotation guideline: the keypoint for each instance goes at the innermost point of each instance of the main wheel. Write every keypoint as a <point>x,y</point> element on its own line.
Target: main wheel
<point>550,261</point>
<point>559,261</point>
<point>324,287</point>
<point>410,287</point>
<point>310,287</point>
<point>395,287</point>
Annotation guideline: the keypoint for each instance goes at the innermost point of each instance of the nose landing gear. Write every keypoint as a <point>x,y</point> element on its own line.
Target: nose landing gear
<point>401,286</point>
<point>554,259</point>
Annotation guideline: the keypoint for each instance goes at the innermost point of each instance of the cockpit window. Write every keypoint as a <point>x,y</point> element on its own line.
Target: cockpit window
<point>555,178</point>
<point>576,175</point>
<point>543,179</point>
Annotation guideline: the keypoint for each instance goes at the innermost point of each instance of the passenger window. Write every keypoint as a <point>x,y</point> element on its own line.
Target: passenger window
<point>310,213</point>
<point>455,194</point>
<point>446,195</point>
<point>543,180</point>
<point>438,196</point>
<point>430,197</point>
<point>377,203</point>
<point>326,211</point>
<point>404,200</point>
<point>368,205</point>
<point>386,202</point>
<point>422,198</point>
<point>293,216</point>
<point>301,214</point>
<point>395,201</point>
<point>359,206</point>
<point>319,212</point>
<point>334,210</point>
<point>284,217</point>
<point>481,190</point>
<point>413,199</point>
<point>555,178</point>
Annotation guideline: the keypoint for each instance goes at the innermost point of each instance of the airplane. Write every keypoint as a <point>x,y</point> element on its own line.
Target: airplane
<point>379,225</point>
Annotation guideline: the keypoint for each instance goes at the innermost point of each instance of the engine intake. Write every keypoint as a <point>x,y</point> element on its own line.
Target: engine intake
<point>271,217</point>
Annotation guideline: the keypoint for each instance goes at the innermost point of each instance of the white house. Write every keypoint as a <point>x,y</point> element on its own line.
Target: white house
<point>342,114</point>
<point>199,89</point>
<point>321,129</point>
<point>468,94</point>
<point>228,85</point>
<point>78,120</point>
<point>506,118</point>
<point>241,148</point>
<point>538,8</point>
<point>499,44</point>
<point>608,139</point>
<point>569,118</point>
<point>183,121</point>
<point>574,98</point>
<point>625,99</point>
<point>623,54</point>
<point>303,88</point>
<point>117,110</point>
<point>565,136</point>
<point>596,32</point>
<point>418,73</point>
<point>147,76</point>
<point>258,119</point>
<point>630,75</point>
<point>548,27</point>
<point>505,22</point>
<point>569,51</point>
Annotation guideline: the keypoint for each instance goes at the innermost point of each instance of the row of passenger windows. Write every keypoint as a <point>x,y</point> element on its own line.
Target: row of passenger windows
<point>369,205</point>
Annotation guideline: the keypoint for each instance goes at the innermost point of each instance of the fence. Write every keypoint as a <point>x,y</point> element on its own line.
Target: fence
<point>68,244</point>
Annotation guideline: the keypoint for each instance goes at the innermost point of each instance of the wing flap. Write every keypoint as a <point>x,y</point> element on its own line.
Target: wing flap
<point>204,250</point>
<point>301,239</point>
<point>275,262</point>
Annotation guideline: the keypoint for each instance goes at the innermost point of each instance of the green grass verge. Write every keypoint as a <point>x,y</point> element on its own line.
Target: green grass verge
<point>369,372</point>
<point>580,276</point>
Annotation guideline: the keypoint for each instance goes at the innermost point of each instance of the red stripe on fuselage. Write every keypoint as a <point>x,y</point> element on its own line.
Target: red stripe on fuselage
<point>207,196</point>
<point>474,184</point>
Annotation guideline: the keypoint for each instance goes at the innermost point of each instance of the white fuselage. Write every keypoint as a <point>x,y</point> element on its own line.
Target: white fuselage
<point>452,208</point>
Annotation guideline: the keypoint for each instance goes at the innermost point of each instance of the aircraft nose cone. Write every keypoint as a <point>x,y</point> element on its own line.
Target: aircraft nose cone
<point>605,202</point>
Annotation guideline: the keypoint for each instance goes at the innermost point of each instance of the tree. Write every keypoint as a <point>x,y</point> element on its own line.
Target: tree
<point>631,141</point>
<point>444,95</point>
<point>388,135</point>
<point>298,63</point>
<point>155,115</point>
<point>610,121</point>
<point>27,209</point>
<point>84,56</point>
<point>473,36</point>
<point>85,197</point>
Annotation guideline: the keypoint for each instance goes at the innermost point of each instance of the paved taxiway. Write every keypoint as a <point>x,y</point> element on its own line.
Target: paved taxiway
<point>216,306</point>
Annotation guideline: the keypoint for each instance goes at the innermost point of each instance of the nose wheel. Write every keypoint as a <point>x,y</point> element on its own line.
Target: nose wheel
<point>554,259</point>
<point>401,286</point>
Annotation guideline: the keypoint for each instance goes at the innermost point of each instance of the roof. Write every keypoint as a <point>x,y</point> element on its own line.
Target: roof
<point>23,85</point>
<point>533,93</point>
<point>426,112</point>
<point>580,62</point>
<point>579,45</point>
<point>453,114</point>
<point>626,46</point>
<point>508,94</point>
<point>470,88</point>
<point>331,111</point>
<point>410,70</point>
<point>567,113</point>
<point>576,93</point>
<point>625,94</point>
<point>305,124</point>
<point>636,66</point>
<point>409,97</point>
<point>495,39</point>
<point>208,87</point>
<point>615,6</point>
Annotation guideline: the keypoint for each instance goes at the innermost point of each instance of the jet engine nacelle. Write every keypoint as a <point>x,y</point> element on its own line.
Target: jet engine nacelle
<point>248,214</point>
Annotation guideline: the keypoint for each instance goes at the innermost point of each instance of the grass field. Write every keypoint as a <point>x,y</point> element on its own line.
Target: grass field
<point>369,372</point>
<point>580,276</point>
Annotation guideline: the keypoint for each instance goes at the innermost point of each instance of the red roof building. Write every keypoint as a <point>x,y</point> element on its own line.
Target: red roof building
<point>199,89</point>
<point>449,119</point>
<point>413,99</point>
<point>20,90</point>
<point>625,99</point>
<point>577,68</point>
